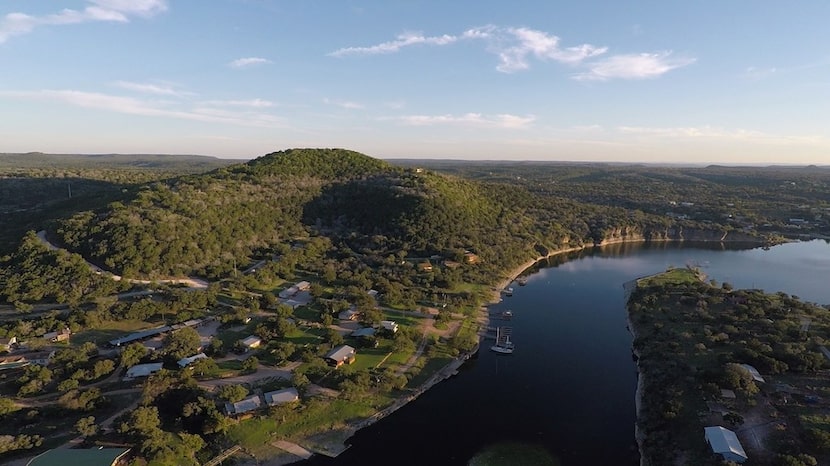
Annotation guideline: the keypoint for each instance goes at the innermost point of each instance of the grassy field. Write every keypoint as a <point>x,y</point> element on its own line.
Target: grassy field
<point>671,277</point>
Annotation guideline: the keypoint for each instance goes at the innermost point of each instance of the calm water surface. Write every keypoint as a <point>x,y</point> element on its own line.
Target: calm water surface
<point>569,387</point>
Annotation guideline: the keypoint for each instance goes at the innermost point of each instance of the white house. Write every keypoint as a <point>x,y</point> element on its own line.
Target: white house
<point>724,442</point>
<point>278,397</point>
<point>184,362</point>
<point>142,370</point>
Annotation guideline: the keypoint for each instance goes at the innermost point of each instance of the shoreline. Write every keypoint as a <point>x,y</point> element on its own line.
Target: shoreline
<point>484,319</point>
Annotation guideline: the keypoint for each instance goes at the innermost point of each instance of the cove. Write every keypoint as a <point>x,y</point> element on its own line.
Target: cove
<point>569,387</point>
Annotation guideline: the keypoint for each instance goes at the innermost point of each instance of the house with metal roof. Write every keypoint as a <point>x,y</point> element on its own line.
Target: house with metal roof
<point>81,457</point>
<point>252,403</point>
<point>142,370</point>
<point>184,362</point>
<point>724,442</point>
<point>278,397</point>
<point>756,376</point>
<point>251,342</point>
<point>344,354</point>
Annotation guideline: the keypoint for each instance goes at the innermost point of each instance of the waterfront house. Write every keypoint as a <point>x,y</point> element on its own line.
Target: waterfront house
<point>344,354</point>
<point>724,442</point>
<point>81,456</point>
<point>142,370</point>
<point>278,397</point>
<point>251,403</point>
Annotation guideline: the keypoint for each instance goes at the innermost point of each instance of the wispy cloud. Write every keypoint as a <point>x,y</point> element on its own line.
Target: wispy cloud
<point>251,103</point>
<point>517,48</point>
<point>469,119</point>
<point>513,46</point>
<point>633,66</point>
<point>248,62</point>
<point>150,88</point>
<point>713,133</point>
<point>343,104</point>
<point>402,41</point>
<point>16,24</point>
<point>134,106</point>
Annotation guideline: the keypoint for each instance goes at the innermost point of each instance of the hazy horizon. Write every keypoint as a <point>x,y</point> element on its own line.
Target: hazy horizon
<point>744,82</point>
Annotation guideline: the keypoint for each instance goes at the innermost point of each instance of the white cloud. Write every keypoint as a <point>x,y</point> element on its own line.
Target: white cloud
<point>525,43</point>
<point>469,119</point>
<point>513,46</point>
<point>133,106</point>
<point>343,104</point>
<point>15,24</point>
<point>403,40</point>
<point>148,88</point>
<point>248,61</point>
<point>633,66</point>
<point>712,133</point>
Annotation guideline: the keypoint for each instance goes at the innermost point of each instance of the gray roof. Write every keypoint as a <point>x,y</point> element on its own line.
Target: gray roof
<point>184,362</point>
<point>78,457</point>
<point>243,406</point>
<point>340,353</point>
<point>723,440</point>
<point>756,376</point>
<point>143,370</point>
<point>252,340</point>
<point>364,332</point>
<point>140,335</point>
<point>285,395</point>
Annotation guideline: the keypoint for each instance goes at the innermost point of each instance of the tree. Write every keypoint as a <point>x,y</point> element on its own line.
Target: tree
<point>86,426</point>
<point>102,368</point>
<point>232,393</point>
<point>182,343</point>
<point>132,354</point>
<point>249,365</point>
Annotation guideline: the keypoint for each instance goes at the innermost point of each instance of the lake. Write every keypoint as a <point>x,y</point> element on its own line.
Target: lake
<point>568,389</point>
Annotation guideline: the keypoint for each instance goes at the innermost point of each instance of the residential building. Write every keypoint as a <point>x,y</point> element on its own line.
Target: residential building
<point>142,370</point>
<point>724,442</point>
<point>251,342</point>
<point>278,397</point>
<point>344,354</point>
<point>184,362</point>
<point>252,403</point>
<point>6,344</point>
<point>81,457</point>
<point>389,325</point>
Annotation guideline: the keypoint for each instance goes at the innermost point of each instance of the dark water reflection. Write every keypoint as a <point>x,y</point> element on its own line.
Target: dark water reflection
<point>569,387</point>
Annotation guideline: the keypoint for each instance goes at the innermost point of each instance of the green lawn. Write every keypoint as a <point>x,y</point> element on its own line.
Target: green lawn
<point>306,336</point>
<point>368,358</point>
<point>671,277</point>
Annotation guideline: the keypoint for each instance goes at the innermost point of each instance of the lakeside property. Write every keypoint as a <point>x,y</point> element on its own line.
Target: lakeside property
<point>701,350</point>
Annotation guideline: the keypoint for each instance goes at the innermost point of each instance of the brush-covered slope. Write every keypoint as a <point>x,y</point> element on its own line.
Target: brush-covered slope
<point>202,223</point>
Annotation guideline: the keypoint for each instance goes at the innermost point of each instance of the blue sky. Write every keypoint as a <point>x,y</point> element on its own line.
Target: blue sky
<point>646,81</point>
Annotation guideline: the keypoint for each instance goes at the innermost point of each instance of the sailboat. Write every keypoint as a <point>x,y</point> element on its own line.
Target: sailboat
<point>503,344</point>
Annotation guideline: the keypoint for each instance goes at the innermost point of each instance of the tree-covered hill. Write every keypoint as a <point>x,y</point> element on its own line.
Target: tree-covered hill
<point>201,224</point>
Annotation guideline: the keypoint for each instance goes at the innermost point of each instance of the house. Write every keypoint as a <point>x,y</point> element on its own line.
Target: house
<point>251,403</point>
<point>81,456</point>
<point>142,370</point>
<point>40,358</point>
<point>6,344</point>
<point>349,314</point>
<point>56,337</point>
<point>344,354</point>
<point>12,362</point>
<point>289,292</point>
<point>756,376</point>
<point>389,325</point>
<point>142,335</point>
<point>278,397</point>
<point>303,286</point>
<point>251,342</point>
<point>425,267</point>
<point>724,442</point>
<point>184,362</point>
